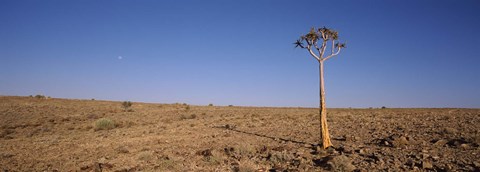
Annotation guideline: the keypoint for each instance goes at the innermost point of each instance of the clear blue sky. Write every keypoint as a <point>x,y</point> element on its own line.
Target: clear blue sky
<point>399,53</point>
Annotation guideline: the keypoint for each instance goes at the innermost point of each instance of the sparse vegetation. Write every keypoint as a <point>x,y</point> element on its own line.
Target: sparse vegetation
<point>104,124</point>
<point>233,139</point>
<point>145,155</point>
<point>230,105</point>
<point>210,104</point>
<point>167,163</point>
<point>127,105</point>
<point>38,96</point>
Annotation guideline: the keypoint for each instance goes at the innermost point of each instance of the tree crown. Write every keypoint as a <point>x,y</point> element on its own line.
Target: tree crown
<point>322,35</point>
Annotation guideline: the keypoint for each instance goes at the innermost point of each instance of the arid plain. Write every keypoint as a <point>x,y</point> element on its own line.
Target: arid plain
<point>40,134</point>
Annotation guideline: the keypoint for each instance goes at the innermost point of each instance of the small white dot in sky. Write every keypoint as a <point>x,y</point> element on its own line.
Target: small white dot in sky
<point>120,57</point>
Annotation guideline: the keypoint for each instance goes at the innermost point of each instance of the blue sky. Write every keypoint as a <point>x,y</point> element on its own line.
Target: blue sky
<point>399,53</point>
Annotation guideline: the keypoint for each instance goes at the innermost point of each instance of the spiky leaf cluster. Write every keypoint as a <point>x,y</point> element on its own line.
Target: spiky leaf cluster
<point>340,45</point>
<point>312,37</point>
<point>328,34</point>
<point>316,39</point>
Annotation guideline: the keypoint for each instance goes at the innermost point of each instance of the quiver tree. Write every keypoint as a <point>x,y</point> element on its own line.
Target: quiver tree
<point>316,42</point>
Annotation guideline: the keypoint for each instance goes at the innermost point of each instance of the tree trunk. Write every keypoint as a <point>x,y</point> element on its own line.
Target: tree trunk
<point>325,136</point>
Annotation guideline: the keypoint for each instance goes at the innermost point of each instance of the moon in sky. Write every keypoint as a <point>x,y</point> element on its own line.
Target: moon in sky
<point>120,57</point>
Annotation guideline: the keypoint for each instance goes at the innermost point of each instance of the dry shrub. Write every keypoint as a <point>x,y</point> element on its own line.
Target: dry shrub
<point>145,156</point>
<point>38,96</point>
<point>166,163</point>
<point>126,105</point>
<point>104,124</point>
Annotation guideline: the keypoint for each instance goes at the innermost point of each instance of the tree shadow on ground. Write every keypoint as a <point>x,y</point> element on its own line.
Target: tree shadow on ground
<point>278,139</point>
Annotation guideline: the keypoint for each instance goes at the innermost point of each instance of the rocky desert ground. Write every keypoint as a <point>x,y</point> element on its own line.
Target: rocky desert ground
<point>38,134</point>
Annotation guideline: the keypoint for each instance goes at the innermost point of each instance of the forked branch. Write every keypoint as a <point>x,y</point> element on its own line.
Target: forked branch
<point>324,34</point>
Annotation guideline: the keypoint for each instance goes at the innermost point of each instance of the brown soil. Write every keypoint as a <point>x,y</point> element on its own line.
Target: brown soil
<point>61,135</point>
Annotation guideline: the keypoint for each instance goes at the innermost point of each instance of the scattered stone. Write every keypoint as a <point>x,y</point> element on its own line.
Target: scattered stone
<point>361,151</point>
<point>477,164</point>
<point>122,149</point>
<point>356,138</point>
<point>464,146</point>
<point>102,160</point>
<point>340,163</point>
<point>386,143</point>
<point>331,150</point>
<point>427,165</point>
<point>449,130</point>
<point>318,149</point>
<point>340,138</point>
<point>456,142</point>
<point>440,143</point>
<point>425,156</point>
<point>400,141</point>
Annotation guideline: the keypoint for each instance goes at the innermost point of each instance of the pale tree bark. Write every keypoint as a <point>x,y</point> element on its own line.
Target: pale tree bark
<point>311,39</point>
<point>325,136</point>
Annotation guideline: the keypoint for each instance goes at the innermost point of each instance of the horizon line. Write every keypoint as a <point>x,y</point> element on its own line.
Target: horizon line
<point>247,106</point>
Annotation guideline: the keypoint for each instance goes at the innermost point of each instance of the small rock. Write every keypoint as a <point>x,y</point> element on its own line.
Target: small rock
<point>346,149</point>
<point>427,165</point>
<point>449,130</point>
<point>400,141</point>
<point>341,163</point>
<point>331,150</point>
<point>361,151</point>
<point>440,143</point>
<point>477,164</point>
<point>356,138</point>
<point>122,149</point>
<point>340,138</point>
<point>456,142</point>
<point>464,146</point>
<point>336,163</point>
<point>318,149</point>
<point>102,160</point>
